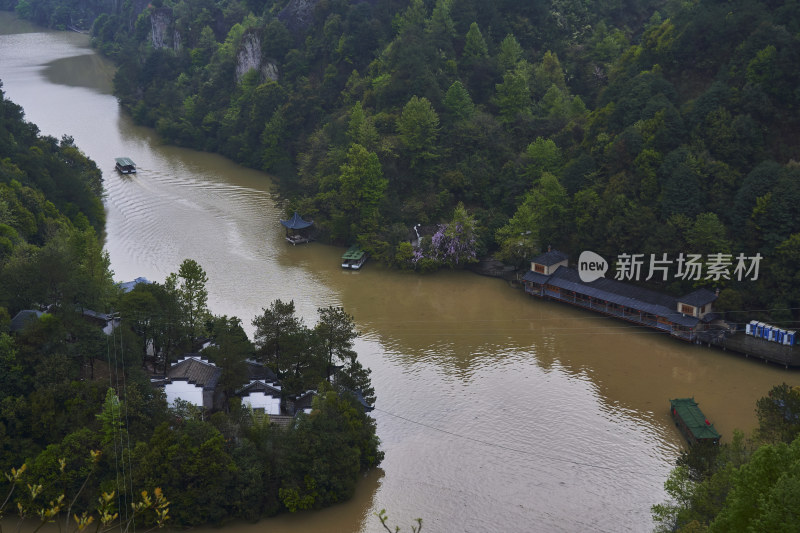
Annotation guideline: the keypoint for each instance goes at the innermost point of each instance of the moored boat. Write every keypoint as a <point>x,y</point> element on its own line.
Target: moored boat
<point>692,422</point>
<point>354,258</point>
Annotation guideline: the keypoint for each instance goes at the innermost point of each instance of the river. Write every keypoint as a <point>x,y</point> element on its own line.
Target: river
<point>497,412</point>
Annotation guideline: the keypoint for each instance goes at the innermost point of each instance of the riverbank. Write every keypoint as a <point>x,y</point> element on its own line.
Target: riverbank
<point>561,414</point>
<point>714,333</point>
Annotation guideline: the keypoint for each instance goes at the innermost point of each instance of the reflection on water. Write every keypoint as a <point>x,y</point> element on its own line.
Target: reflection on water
<point>88,70</point>
<point>352,515</point>
<point>497,411</point>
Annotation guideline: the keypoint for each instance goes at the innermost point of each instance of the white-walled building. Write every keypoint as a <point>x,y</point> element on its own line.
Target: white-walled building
<point>261,397</point>
<point>194,380</point>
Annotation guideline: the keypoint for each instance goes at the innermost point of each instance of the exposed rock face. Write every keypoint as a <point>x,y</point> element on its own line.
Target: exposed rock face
<point>249,57</point>
<point>160,20</point>
<point>270,71</point>
<point>298,14</point>
<point>161,37</point>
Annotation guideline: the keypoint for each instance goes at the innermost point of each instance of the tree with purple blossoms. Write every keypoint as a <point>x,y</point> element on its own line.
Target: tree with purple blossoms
<point>453,245</point>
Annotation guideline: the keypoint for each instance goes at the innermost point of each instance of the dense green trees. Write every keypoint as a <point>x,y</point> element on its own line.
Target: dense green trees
<point>230,351</point>
<point>361,193</point>
<point>418,126</point>
<point>302,357</point>
<point>412,107</point>
<point>387,75</point>
<point>539,221</point>
<point>229,466</point>
<point>326,451</point>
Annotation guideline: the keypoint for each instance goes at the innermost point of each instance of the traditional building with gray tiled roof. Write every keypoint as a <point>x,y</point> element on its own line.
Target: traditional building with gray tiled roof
<point>22,319</point>
<point>262,398</point>
<point>194,380</point>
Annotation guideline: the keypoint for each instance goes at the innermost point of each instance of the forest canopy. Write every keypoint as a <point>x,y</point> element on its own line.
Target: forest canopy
<point>619,127</point>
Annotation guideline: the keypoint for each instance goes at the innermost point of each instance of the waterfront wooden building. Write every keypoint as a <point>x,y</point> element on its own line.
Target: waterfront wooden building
<point>550,277</point>
<point>548,262</point>
<point>691,421</point>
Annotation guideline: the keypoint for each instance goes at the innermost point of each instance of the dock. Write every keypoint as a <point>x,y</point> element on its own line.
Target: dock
<point>749,346</point>
<point>297,239</point>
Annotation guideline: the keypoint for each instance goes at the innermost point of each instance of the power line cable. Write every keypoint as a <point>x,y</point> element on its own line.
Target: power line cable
<point>127,424</point>
<point>111,373</point>
<point>512,449</point>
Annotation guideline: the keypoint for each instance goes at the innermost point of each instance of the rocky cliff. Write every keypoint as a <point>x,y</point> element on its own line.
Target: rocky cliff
<point>162,34</point>
<point>249,57</point>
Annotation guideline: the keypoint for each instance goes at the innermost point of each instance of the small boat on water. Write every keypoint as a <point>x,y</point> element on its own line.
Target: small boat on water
<point>692,422</point>
<point>354,258</point>
<point>125,165</point>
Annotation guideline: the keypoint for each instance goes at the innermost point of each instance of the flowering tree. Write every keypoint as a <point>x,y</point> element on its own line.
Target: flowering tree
<point>452,245</point>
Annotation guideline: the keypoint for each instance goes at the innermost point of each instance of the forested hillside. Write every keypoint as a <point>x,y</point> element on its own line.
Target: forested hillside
<point>620,127</point>
<point>79,415</point>
<point>51,214</point>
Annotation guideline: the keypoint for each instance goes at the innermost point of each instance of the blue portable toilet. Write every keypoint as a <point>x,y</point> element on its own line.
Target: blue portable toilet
<point>760,330</point>
<point>779,335</point>
<point>750,329</point>
<point>790,338</point>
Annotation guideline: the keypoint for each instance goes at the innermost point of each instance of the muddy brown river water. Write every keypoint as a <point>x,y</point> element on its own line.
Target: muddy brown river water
<point>497,412</point>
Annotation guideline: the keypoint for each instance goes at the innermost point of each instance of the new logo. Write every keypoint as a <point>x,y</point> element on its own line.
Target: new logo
<point>591,266</point>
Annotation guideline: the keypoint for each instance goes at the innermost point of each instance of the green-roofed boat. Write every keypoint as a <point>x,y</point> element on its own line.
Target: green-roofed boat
<point>125,165</point>
<point>354,258</point>
<point>692,422</point>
